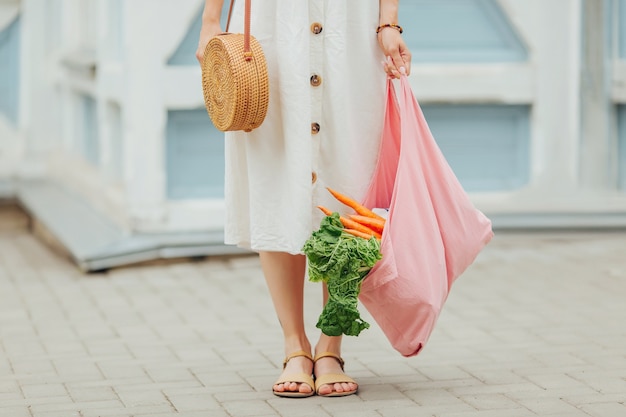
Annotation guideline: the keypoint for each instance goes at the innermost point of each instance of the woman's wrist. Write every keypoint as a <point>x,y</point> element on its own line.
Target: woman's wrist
<point>393,26</point>
<point>212,12</point>
<point>210,20</point>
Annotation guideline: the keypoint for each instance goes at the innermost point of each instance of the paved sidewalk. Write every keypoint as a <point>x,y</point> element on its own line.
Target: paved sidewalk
<point>534,328</point>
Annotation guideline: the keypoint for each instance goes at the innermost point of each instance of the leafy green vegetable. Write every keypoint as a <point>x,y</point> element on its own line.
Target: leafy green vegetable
<point>342,261</point>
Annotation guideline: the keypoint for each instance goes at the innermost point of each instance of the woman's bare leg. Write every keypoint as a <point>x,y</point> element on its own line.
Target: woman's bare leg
<point>284,274</point>
<point>330,365</point>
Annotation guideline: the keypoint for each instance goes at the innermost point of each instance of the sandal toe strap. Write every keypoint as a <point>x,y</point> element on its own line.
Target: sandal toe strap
<point>332,379</point>
<point>301,378</point>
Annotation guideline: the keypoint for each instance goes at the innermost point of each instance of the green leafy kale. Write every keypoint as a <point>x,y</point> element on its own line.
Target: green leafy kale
<point>342,261</point>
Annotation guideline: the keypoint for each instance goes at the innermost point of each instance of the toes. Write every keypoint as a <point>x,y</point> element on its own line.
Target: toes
<point>344,387</point>
<point>350,386</point>
<point>325,389</point>
<point>293,387</point>
<point>338,387</point>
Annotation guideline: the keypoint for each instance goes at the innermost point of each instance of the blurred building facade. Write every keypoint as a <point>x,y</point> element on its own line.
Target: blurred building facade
<point>104,137</point>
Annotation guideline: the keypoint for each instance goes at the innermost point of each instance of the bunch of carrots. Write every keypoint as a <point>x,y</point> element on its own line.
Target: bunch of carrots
<point>365,223</point>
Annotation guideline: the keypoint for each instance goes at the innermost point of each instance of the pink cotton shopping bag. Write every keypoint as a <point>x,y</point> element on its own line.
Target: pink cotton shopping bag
<point>433,232</point>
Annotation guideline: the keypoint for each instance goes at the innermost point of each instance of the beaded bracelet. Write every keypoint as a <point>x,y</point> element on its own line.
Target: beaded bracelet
<point>389,25</point>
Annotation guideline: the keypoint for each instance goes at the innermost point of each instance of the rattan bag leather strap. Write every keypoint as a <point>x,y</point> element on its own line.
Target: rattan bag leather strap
<point>246,26</point>
<point>230,14</point>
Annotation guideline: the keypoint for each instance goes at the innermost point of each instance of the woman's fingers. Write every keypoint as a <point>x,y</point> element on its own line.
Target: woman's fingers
<point>396,52</point>
<point>406,58</point>
<point>206,33</point>
<point>393,71</point>
<point>401,59</point>
<point>397,61</point>
<point>204,41</point>
<point>389,69</point>
<point>200,54</point>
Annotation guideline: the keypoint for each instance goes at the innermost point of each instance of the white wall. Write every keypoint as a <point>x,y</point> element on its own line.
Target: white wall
<point>10,137</point>
<point>115,52</point>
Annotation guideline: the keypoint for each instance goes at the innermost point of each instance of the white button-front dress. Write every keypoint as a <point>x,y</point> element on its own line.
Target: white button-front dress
<point>324,122</point>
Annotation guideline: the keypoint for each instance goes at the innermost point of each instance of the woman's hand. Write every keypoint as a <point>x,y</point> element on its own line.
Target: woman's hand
<point>396,51</point>
<point>206,33</point>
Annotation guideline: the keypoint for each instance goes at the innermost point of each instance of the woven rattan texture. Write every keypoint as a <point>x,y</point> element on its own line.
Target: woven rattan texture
<point>236,90</point>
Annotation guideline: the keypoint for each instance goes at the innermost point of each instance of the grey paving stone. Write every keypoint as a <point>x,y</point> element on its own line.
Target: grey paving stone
<point>114,369</point>
<point>10,396</point>
<point>441,373</point>
<point>233,396</point>
<point>546,406</point>
<point>610,409</point>
<point>380,392</point>
<point>23,367</point>
<point>116,382</point>
<point>14,411</point>
<point>132,397</point>
<point>193,402</point>
<point>355,404</point>
<point>169,373</point>
<point>447,384</point>
<point>416,410</point>
<point>107,412</point>
<point>73,407</point>
<point>65,413</point>
<point>62,347</point>
<point>490,402</point>
<point>112,349</point>
<point>43,390</point>
<point>362,413</point>
<point>594,398</point>
<point>9,386</point>
<point>433,397</point>
<point>520,335</point>
<point>251,408</point>
<point>80,393</point>
<point>287,408</point>
<point>514,412</point>
<point>214,413</point>
<point>78,369</point>
<point>526,387</point>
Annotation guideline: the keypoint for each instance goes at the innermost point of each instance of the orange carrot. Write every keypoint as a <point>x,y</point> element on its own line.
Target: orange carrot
<point>374,224</point>
<point>325,210</point>
<point>359,208</point>
<point>358,234</point>
<point>351,224</point>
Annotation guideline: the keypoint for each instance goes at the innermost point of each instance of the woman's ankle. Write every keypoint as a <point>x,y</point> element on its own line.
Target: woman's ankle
<point>296,343</point>
<point>328,344</point>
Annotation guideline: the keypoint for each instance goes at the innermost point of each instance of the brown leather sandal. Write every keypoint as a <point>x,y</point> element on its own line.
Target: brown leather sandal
<point>332,378</point>
<point>300,378</point>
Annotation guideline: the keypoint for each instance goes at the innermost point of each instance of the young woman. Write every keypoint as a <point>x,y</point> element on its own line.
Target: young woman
<point>327,62</point>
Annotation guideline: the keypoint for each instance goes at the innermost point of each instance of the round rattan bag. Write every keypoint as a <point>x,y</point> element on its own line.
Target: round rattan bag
<point>235,82</point>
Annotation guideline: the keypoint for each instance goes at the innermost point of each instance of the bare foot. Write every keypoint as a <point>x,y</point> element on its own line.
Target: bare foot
<point>297,365</point>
